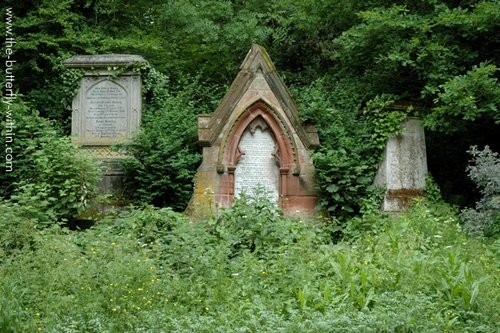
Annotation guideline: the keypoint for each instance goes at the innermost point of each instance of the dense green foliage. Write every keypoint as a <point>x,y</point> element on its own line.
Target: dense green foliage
<point>348,158</point>
<point>164,155</point>
<point>50,174</point>
<point>250,270</point>
<point>356,70</point>
<point>344,60</point>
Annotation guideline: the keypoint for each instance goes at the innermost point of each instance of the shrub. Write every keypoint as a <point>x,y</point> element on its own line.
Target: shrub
<point>466,98</point>
<point>484,171</point>
<point>352,137</point>
<point>51,177</point>
<point>148,225</point>
<point>18,232</point>
<point>164,155</point>
<point>30,133</point>
<point>256,225</point>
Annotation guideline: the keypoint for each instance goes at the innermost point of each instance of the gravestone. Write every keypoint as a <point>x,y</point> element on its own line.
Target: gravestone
<point>404,168</point>
<point>106,110</point>
<point>254,143</point>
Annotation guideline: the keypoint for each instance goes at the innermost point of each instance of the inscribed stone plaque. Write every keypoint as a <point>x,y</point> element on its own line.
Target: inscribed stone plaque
<point>106,111</point>
<point>257,167</point>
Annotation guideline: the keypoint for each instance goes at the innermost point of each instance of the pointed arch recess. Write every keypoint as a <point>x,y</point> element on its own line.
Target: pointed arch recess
<point>259,114</point>
<point>256,113</point>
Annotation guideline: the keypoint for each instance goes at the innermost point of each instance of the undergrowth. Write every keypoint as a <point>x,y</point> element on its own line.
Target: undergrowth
<point>249,270</point>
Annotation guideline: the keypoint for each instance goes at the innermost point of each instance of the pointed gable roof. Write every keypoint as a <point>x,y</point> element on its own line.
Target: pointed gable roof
<point>256,61</point>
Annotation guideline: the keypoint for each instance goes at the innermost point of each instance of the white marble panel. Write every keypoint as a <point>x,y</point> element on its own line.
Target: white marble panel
<point>106,111</point>
<point>257,167</point>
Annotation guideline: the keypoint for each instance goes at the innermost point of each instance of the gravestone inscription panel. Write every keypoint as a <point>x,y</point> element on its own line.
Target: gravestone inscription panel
<point>257,166</point>
<point>106,111</point>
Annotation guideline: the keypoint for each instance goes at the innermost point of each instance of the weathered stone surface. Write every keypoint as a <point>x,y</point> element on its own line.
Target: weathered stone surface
<point>257,168</point>
<point>102,60</point>
<point>404,168</point>
<point>106,110</point>
<point>257,101</point>
<point>112,176</point>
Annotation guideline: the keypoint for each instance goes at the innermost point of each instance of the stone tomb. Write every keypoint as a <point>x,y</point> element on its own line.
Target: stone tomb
<point>106,110</point>
<point>255,144</point>
<point>404,168</point>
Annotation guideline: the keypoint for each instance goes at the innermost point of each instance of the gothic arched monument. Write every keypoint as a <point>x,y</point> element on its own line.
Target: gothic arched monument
<point>255,143</point>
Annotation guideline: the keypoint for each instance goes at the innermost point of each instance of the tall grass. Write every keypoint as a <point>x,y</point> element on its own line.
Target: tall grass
<point>250,270</point>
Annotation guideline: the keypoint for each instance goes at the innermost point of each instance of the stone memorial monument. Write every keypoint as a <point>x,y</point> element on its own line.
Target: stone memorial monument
<point>106,110</point>
<point>255,144</point>
<point>404,167</point>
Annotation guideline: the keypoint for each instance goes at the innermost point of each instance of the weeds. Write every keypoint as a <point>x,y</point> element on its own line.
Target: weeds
<point>251,270</point>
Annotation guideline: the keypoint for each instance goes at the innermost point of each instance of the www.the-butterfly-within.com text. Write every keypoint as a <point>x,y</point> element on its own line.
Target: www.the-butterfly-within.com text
<point>9,91</point>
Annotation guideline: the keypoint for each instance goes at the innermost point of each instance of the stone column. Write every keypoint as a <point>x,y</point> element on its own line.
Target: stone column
<point>404,168</point>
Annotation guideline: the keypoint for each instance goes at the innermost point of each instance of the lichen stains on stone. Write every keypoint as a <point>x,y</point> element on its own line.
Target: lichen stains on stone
<point>404,193</point>
<point>404,197</point>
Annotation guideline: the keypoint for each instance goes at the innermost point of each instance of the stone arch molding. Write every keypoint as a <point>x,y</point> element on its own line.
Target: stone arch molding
<point>258,99</point>
<point>259,114</point>
<point>93,83</point>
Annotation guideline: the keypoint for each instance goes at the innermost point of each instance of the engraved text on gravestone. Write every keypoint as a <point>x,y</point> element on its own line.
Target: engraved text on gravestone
<point>106,113</point>
<point>257,167</point>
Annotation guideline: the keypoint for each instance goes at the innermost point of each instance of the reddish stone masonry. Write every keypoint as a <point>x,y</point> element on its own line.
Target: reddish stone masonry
<point>284,152</point>
<point>257,98</point>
